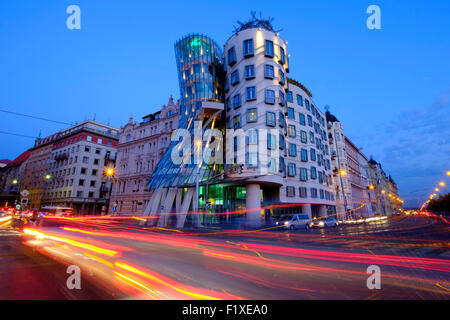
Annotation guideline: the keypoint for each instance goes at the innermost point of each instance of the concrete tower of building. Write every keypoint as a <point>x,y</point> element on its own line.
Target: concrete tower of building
<point>278,131</point>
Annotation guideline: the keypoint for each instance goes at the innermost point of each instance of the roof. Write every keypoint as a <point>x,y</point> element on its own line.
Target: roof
<point>20,159</point>
<point>330,117</point>
<point>6,161</point>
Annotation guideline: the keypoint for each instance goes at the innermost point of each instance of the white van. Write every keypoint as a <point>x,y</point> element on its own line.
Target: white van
<point>293,221</point>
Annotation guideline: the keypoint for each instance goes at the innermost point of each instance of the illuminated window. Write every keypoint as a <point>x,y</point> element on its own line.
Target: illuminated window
<point>252,115</point>
<point>291,131</point>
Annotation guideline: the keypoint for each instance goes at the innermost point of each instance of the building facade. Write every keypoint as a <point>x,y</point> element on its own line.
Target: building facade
<point>12,179</point>
<point>37,169</point>
<point>274,143</point>
<point>140,148</point>
<point>74,176</point>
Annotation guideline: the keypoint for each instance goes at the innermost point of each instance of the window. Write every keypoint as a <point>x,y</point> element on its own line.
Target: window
<point>83,170</point>
<point>313,193</point>
<point>282,120</point>
<point>250,93</point>
<point>282,56</point>
<point>248,47</point>
<point>249,71</point>
<point>92,183</point>
<point>320,177</point>
<point>304,155</point>
<point>272,165</point>
<point>252,137</point>
<point>270,119</point>
<point>89,138</point>
<point>252,159</point>
<point>281,98</point>
<point>269,71</point>
<point>311,137</point>
<point>303,174</point>
<point>79,194</point>
<point>237,121</point>
<point>313,173</point>
<point>99,141</point>
<point>81,182</point>
<point>299,100</point>
<point>236,143</point>
<point>310,122</point>
<point>321,194</point>
<point>237,101</point>
<point>269,49</point>
<point>91,194</point>
<point>94,172</point>
<point>282,142</point>
<point>290,191</point>
<point>252,115</point>
<point>85,159</point>
<point>289,97</point>
<point>291,113</point>
<point>231,56</point>
<point>307,105</point>
<point>302,119</point>
<point>87,149</point>
<point>96,161</point>
<point>292,170</point>
<point>281,77</point>
<point>303,193</point>
<point>270,96</point>
<point>235,77</point>
<point>303,136</point>
<point>313,154</point>
<point>228,104</point>
<point>271,142</point>
<point>292,150</point>
<point>291,131</point>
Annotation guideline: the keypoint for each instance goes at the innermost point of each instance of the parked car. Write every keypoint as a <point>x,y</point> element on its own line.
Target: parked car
<point>293,221</point>
<point>324,222</point>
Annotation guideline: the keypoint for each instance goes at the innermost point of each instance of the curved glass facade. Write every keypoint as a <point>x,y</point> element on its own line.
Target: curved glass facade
<point>200,74</point>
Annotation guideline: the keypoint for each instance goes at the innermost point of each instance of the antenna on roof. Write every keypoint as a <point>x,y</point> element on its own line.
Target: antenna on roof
<point>327,107</point>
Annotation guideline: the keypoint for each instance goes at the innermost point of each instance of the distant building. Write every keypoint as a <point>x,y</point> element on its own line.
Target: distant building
<point>141,147</point>
<point>34,180</point>
<point>4,162</point>
<point>74,175</point>
<point>339,164</point>
<point>12,178</point>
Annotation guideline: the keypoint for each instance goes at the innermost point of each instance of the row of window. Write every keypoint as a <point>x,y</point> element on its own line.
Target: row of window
<point>303,193</point>
<point>248,51</point>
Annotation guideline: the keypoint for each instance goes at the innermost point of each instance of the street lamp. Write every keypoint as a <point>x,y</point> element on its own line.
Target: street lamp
<point>343,172</point>
<point>448,173</point>
<point>442,184</point>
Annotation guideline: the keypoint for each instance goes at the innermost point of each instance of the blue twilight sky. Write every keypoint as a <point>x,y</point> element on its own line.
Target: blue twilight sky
<point>389,87</point>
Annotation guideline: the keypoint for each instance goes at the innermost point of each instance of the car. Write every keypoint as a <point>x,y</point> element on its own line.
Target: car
<point>324,222</point>
<point>293,221</point>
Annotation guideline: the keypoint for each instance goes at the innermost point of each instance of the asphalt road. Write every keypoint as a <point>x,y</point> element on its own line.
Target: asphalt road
<point>119,261</point>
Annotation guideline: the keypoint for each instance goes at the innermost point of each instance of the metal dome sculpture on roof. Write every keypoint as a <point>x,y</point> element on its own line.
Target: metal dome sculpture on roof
<point>254,22</point>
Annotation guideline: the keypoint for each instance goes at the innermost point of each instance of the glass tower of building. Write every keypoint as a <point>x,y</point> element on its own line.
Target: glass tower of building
<point>200,74</point>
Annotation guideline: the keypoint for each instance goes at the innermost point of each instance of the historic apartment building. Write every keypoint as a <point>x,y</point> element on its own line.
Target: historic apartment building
<point>74,176</point>
<point>140,148</point>
<point>34,181</point>
<point>12,178</point>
